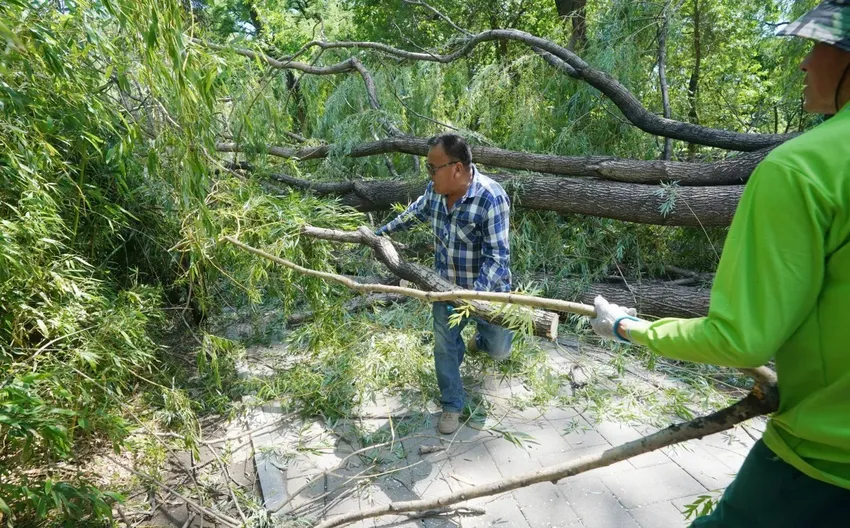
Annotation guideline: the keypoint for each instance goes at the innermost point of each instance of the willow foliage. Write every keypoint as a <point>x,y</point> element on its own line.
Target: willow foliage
<point>109,209</point>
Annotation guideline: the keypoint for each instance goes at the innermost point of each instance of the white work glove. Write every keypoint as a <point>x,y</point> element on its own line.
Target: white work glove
<point>606,315</point>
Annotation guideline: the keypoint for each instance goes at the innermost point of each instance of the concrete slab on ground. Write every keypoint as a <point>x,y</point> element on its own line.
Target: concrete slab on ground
<point>650,490</point>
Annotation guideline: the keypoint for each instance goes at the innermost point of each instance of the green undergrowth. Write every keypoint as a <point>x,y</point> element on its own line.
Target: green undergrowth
<point>349,362</point>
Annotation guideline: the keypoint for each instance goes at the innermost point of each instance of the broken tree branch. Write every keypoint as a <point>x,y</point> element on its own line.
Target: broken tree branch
<point>763,399</point>
<point>348,65</point>
<point>732,171</point>
<point>439,289</point>
<point>628,104</point>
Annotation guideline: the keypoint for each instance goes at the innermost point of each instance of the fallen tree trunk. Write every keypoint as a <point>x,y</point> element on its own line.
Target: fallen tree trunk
<point>731,171</point>
<point>692,206</point>
<point>763,399</point>
<point>655,298</point>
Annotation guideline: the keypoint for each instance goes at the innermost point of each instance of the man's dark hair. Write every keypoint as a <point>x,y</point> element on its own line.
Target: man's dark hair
<point>455,146</point>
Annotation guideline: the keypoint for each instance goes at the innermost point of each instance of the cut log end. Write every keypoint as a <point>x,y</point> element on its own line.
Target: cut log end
<point>553,328</point>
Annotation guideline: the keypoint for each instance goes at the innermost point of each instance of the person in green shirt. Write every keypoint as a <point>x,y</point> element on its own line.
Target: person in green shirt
<point>782,291</point>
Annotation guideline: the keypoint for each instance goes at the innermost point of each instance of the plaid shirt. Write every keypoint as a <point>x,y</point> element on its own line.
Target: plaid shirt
<point>471,240</point>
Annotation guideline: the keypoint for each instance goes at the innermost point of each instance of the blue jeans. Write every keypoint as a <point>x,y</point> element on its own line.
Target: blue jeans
<point>449,349</point>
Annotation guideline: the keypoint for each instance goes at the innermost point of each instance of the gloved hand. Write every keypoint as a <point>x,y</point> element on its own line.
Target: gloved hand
<point>607,315</point>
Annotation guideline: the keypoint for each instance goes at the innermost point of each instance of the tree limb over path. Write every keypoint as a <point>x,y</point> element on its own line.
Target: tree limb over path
<point>545,324</point>
<point>731,171</point>
<point>573,65</point>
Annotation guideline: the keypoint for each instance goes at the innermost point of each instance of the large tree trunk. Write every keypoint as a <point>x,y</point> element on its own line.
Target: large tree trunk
<point>731,171</point>
<point>693,206</point>
<point>656,298</point>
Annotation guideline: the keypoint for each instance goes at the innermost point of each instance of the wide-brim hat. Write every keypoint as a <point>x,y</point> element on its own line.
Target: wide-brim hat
<point>829,23</point>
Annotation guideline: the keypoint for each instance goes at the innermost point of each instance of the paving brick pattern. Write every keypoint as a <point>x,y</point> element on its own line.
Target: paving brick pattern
<point>648,491</point>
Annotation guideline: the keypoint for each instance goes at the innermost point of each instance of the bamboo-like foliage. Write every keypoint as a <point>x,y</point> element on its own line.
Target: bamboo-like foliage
<point>108,201</point>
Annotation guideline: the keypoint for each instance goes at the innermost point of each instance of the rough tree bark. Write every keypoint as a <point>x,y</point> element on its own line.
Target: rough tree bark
<point>656,298</point>
<point>694,206</point>
<point>732,171</point>
<point>763,399</point>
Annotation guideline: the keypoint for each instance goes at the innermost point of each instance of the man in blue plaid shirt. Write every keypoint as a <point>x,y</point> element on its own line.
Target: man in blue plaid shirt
<point>469,214</point>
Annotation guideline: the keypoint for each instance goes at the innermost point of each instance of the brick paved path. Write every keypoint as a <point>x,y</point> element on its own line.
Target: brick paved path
<point>648,491</point>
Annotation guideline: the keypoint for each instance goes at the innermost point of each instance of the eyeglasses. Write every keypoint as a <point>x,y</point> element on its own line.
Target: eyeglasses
<point>433,170</point>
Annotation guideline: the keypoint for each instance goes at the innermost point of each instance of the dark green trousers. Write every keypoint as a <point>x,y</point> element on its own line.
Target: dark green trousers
<point>768,492</point>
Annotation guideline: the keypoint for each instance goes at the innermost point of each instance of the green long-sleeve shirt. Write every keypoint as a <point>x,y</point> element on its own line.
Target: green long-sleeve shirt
<point>782,290</point>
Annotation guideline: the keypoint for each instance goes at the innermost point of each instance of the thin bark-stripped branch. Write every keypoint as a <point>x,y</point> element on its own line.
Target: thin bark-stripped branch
<point>227,482</point>
<point>556,305</point>
<point>631,107</point>
<point>326,472</point>
<point>437,288</point>
<point>732,171</point>
<point>763,399</point>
